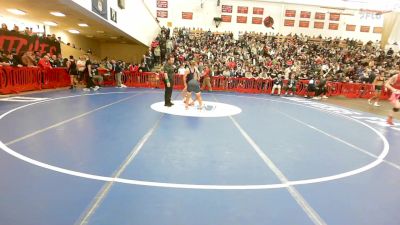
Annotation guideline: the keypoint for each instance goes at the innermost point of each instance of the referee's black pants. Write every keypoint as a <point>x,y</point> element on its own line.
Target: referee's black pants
<point>168,93</point>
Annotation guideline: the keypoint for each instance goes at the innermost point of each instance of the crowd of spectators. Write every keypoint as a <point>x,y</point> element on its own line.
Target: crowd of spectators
<point>268,56</point>
<point>32,59</point>
<point>97,69</point>
<point>29,32</point>
<point>93,73</point>
<point>251,55</point>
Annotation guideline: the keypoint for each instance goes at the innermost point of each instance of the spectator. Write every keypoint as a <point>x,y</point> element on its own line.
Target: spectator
<point>277,81</point>
<point>44,63</point>
<point>26,31</point>
<point>117,70</point>
<point>321,88</point>
<point>157,55</point>
<point>54,61</point>
<point>37,57</point>
<point>143,68</point>
<point>290,85</point>
<point>206,78</point>
<point>28,59</point>
<point>96,77</point>
<point>81,65</point>
<point>15,29</point>
<point>4,27</point>
<point>88,74</point>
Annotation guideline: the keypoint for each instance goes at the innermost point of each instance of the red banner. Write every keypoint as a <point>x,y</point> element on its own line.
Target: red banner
<point>241,19</point>
<point>290,13</point>
<point>187,15</point>
<point>305,14</point>
<point>378,30</point>
<point>162,13</point>
<point>258,11</point>
<point>226,8</point>
<point>14,41</point>
<point>257,20</point>
<point>319,25</point>
<point>289,23</point>
<point>226,18</point>
<point>364,29</point>
<point>303,23</point>
<point>333,26</point>
<point>243,9</point>
<point>350,27</point>
<point>334,16</point>
<point>162,4</point>
<point>319,16</point>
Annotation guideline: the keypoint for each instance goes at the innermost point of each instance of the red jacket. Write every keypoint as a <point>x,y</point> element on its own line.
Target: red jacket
<point>44,64</point>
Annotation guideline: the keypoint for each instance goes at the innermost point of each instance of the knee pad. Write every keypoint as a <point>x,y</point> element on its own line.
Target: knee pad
<point>395,109</point>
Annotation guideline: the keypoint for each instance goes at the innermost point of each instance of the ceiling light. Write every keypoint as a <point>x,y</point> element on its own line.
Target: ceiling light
<point>89,36</point>
<point>114,38</point>
<point>100,32</point>
<point>57,14</point>
<point>74,31</point>
<point>49,23</point>
<point>16,11</point>
<point>83,25</point>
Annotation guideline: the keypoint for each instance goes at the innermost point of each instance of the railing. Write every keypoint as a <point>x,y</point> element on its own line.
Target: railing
<point>15,80</point>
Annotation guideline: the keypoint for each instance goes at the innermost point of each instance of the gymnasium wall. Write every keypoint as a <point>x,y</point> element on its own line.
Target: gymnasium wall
<point>203,15</point>
<point>80,41</point>
<point>125,52</point>
<point>100,49</point>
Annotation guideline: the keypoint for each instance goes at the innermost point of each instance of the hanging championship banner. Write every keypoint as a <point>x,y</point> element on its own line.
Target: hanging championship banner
<point>289,23</point>
<point>258,11</point>
<point>319,25</point>
<point>162,4</point>
<point>378,30</point>
<point>256,20</point>
<point>241,19</point>
<point>350,27</point>
<point>334,16</point>
<point>319,16</point>
<point>290,13</point>
<point>226,18</point>
<point>187,15</point>
<point>243,9</point>
<point>226,8</point>
<point>303,23</point>
<point>364,29</point>
<point>333,26</point>
<point>162,13</point>
<point>305,14</point>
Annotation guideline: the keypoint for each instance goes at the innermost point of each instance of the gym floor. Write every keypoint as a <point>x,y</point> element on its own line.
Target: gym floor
<point>118,156</point>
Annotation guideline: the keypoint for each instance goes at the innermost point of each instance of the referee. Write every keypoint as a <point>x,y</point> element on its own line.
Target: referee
<point>169,73</point>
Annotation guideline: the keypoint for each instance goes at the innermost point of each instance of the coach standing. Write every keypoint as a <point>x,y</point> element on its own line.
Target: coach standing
<point>169,73</point>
